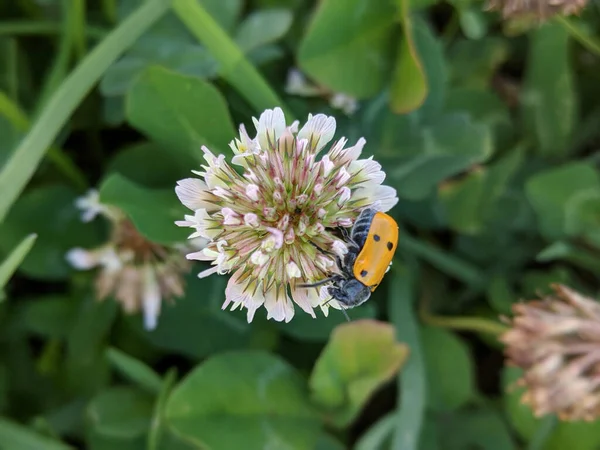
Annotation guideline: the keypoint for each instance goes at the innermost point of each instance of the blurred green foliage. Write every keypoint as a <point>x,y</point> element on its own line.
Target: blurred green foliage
<point>489,132</point>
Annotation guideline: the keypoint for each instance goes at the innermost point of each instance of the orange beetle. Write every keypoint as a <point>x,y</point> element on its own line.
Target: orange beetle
<point>371,247</point>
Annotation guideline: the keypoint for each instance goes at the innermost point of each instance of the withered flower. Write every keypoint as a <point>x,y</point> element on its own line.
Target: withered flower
<point>540,10</point>
<point>138,273</point>
<point>556,341</point>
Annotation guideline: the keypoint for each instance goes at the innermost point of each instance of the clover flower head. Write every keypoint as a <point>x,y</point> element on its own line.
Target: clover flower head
<point>138,273</point>
<point>273,226</point>
<point>556,341</point>
<point>540,10</point>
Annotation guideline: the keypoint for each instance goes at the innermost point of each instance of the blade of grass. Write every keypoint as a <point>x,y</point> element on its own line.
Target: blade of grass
<point>43,28</point>
<point>22,165</point>
<point>60,66</point>
<point>134,369</point>
<point>581,35</point>
<point>412,390</point>
<point>16,257</point>
<point>56,155</point>
<point>376,435</point>
<point>234,66</point>
<point>17,437</point>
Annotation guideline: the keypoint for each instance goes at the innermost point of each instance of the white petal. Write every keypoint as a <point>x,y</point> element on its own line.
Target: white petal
<point>319,130</point>
<point>90,205</point>
<point>234,292</point>
<point>251,220</point>
<point>297,84</point>
<point>150,299</point>
<point>252,191</point>
<point>192,193</point>
<point>306,299</point>
<point>292,269</point>
<point>269,127</point>
<point>279,308</point>
<point>327,165</point>
<point>344,102</point>
<point>82,259</point>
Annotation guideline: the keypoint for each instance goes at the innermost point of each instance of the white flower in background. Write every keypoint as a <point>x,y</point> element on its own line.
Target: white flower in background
<point>297,84</point>
<point>274,226</point>
<point>138,273</point>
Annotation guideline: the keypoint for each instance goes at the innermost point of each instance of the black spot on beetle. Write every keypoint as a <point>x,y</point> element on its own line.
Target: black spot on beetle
<point>376,237</point>
<point>363,273</point>
<point>390,246</point>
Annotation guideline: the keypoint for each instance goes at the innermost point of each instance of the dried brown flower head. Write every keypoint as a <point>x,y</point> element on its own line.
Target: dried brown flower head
<point>535,9</point>
<point>138,273</point>
<point>556,341</point>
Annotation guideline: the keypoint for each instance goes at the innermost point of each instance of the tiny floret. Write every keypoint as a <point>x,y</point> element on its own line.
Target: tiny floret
<point>273,225</point>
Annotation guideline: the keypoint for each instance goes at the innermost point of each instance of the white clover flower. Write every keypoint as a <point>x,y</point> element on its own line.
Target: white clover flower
<point>297,84</point>
<point>138,273</point>
<point>274,227</point>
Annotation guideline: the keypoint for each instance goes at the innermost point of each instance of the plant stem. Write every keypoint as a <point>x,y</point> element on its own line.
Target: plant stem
<point>579,34</point>
<point>476,324</point>
<point>234,66</point>
<point>24,161</point>
<point>412,390</point>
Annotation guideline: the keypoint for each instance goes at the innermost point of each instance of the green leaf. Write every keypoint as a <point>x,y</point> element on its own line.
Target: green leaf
<point>86,368</point>
<point>462,200</point>
<point>47,316</point>
<point>18,437</point>
<point>306,328</point>
<point>582,213</point>
<point>472,22</point>
<point>482,429</point>
<point>10,265</point>
<point>549,192</point>
<point>262,28</point>
<point>500,295</point>
<point>358,359</point>
<point>121,412</point>
<point>449,372</point>
<point>470,202</point>
<point>195,325</point>
<point>409,83</point>
<point>548,99</point>
<point>256,394</point>
<point>150,165</point>
<point>179,112</point>
<point>433,153</point>
<point>484,107</point>
<point>349,52</point>
<point>135,370</point>
<point>152,211</point>
<point>474,63</point>
<point>520,416</point>
<point>49,212</point>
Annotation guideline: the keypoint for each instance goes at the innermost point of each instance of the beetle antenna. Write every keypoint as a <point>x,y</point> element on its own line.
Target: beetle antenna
<point>318,283</point>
